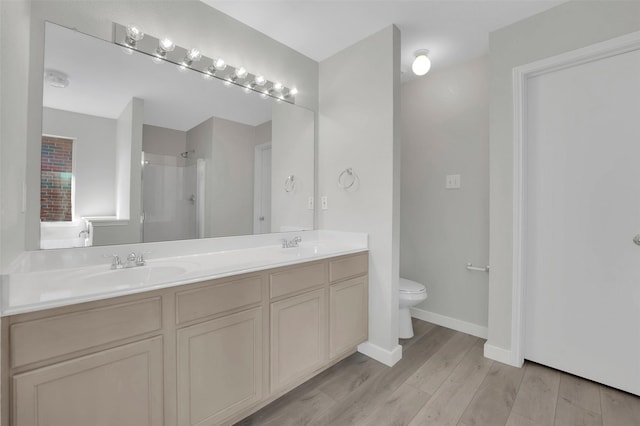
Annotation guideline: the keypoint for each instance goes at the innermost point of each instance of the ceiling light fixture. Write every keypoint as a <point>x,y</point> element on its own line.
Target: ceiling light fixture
<point>422,63</point>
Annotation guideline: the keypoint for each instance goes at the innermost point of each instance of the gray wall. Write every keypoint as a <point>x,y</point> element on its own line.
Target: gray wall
<point>191,23</point>
<point>14,96</point>
<point>93,158</point>
<point>263,132</point>
<point>232,165</point>
<point>567,27</point>
<point>292,150</point>
<point>358,128</point>
<point>163,141</point>
<point>445,130</point>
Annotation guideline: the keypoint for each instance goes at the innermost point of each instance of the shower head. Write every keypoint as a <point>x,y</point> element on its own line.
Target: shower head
<point>187,154</point>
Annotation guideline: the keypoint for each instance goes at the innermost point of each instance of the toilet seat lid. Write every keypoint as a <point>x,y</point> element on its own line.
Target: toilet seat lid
<point>408,286</point>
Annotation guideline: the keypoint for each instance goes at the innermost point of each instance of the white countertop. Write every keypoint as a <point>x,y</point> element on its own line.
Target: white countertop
<point>48,279</point>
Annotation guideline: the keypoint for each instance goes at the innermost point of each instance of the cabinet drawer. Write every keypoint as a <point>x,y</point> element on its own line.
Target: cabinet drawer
<point>49,337</point>
<point>216,298</point>
<point>348,267</point>
<point>298,279</point>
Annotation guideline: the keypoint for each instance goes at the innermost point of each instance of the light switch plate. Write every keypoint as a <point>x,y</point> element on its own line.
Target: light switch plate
<point>324,203</point>
<point>310,203</point>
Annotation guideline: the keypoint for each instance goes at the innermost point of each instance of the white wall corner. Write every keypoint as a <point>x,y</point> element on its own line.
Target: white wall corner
<point>449,322</point>
<point>505,356</point>
<point>389,358</point>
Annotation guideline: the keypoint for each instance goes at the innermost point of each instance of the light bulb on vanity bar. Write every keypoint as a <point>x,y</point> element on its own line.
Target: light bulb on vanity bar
<point>191,56</point>
<point>241,72</point>
<point>165,46</point>
<point>134,35</point>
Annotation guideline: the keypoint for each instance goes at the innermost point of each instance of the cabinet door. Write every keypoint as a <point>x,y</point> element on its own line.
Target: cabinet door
<point>219,368</point>
<point>348,308</point>
<point>120,386</point>
<point>298,336</point>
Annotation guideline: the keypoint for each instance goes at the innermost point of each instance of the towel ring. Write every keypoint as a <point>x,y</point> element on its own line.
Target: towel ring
<point>347,178</point>
<point>289,183</point>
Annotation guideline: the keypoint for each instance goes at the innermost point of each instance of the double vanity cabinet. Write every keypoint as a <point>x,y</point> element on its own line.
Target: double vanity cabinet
<point>206,353</point>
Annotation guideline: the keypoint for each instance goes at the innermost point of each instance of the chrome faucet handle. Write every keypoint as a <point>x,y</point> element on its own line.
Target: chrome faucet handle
<point>116,263</point>
<point>297,239</point>
<point>285,243</point>
<point>140,259</point>
<point>131,259</point>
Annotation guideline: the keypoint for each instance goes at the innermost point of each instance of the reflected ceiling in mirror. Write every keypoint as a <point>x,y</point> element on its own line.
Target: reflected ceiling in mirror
<point>234,147</point>
<point>103,77</point>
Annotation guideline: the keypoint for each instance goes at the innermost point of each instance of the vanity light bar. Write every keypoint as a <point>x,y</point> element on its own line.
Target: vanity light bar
<point>165,50</point>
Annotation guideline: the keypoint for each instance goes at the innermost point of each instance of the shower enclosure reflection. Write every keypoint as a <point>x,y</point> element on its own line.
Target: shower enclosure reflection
<point>172,192</point>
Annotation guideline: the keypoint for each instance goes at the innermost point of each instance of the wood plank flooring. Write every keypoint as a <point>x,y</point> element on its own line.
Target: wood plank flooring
<point>444,379</point>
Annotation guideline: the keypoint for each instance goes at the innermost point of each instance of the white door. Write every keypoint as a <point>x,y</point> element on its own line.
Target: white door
<point>582,186</point>
<point>262,190</point>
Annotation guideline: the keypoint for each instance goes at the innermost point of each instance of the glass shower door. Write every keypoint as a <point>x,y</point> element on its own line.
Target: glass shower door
<point>169,198</point>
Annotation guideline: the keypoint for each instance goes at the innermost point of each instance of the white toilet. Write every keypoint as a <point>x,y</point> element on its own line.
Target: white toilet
<point>411,293</point>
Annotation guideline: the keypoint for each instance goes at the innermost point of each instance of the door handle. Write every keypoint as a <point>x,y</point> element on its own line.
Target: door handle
<point>636,239</point>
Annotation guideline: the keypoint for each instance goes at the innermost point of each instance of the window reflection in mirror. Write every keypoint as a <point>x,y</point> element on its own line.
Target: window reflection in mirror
<point>56,179</point>
<point>167,155</point>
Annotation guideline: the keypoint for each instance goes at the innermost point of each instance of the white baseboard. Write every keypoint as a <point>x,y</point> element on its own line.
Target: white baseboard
<point>449,322</point>
<point>381,355</point>
<point>505,356</point>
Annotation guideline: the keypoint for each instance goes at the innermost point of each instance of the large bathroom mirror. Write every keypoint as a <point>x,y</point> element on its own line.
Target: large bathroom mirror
<point>138,150</point>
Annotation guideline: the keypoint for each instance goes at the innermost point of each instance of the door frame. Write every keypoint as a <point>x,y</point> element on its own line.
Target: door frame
<point>521,75</point>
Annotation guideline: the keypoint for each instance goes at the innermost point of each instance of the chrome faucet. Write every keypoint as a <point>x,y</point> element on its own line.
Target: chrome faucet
<point>133,260</point>
<point>291,243</point>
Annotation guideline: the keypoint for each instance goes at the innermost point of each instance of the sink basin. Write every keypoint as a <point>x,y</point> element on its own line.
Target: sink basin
<point>310,250</point>
<point>118,279</point>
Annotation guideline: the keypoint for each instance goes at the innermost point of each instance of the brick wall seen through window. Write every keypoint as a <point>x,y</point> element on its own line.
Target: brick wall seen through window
<point>56,179</point>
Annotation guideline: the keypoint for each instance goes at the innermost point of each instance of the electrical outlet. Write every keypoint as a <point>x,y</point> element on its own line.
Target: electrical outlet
<point>452,182</point>
<point>324,202</point>
<point>310,203</point>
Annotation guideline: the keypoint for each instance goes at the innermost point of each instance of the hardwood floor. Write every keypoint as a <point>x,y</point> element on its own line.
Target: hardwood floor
<point>444,379</point>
